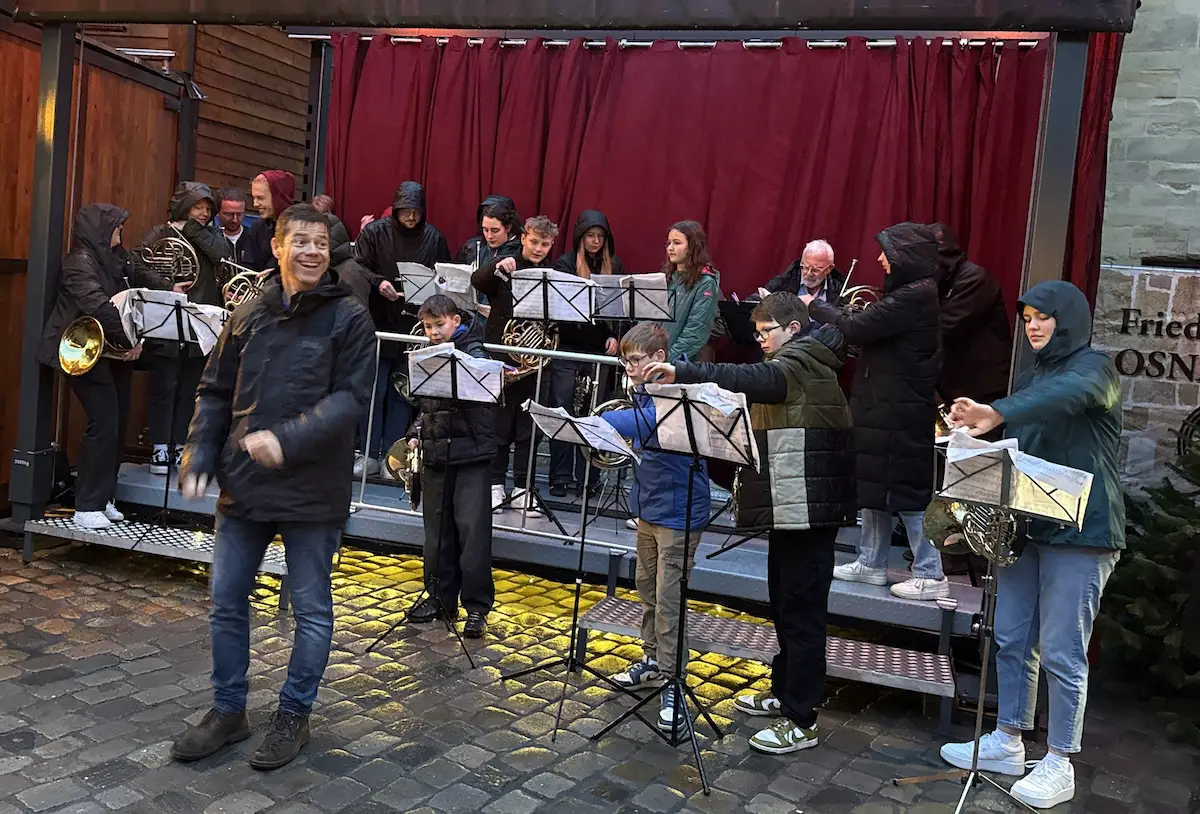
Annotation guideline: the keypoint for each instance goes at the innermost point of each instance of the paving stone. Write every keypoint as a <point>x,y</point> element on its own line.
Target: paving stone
<point>529,758</point>
<point>657,797</point>
<point>372,744</point>
<point>139,666</point>
<point>549,785</point>
<point>459,797</point>
<point>767,804</point>
<point>240,802</point>
<point>109,775</point>
<point>515,802</point>
<point>157,695</point>
<point>337,793</point>
<point>404,794</point>
<point>740,782</point>
<point>439,773</point>
<point>584,765</point>
<point>118,798</point>
<point>52,795</point>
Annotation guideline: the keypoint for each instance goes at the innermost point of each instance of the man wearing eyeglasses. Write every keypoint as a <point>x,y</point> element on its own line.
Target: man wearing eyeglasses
<point>813,274</point>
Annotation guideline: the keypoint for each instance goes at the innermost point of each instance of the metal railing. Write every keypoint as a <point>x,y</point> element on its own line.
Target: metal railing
<point>586,358</point>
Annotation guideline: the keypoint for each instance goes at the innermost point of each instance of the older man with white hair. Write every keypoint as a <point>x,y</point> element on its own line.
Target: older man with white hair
<point>812,274</point>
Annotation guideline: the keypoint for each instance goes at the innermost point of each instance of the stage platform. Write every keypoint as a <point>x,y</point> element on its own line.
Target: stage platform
<point>385,518</point>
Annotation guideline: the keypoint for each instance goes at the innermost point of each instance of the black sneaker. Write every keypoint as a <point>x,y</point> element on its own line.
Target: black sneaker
<point>159,462</point>
<point>558,490</point>
<point>284,739</point>
<point>208,737</point>
<point>476,625</point>
<point>427,610</point>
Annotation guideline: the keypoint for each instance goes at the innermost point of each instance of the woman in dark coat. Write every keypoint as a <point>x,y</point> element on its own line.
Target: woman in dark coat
<point>894,408</point>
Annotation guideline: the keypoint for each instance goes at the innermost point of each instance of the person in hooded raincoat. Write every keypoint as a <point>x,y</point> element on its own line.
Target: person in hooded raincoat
<point>894,409</point>
<point>273,191</point>
<point>499,236</point>
<point>1065,409</point>
<point>175,373</point>
<point>97,268</point>
<point>404,237</point>
<point>593,251</point>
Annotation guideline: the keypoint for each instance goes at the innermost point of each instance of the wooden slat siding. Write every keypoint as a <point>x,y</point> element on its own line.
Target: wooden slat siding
<point>255,115</point>
<point>135,36</point>
<point>127,157</point>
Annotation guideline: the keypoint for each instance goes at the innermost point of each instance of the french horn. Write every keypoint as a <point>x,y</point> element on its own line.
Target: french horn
<point>987,531</point>
<point>941,425</point>
<point>405,464</point>
<point>610,460</point>
<point>171,257</point>
<point>245,285</point>
<point>528,333</point>
<point>81,346</point>
<point>399,378</point>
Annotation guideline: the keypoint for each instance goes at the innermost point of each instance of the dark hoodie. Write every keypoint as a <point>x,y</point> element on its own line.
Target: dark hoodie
<point>210,245</point>
<point>386,242</point>
<point>893,396</point>
<point>975,330</point>
<point>499,293</point>
<point>343,262</point>
<point>476,250</point>
<point>304,371</point>
<point>1066,409</point>
<point>582,336</point>
<point>257,254</point>
<point>91,274</point>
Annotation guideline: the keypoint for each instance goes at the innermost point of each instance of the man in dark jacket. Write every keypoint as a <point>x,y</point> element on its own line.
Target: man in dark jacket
<point>457,448</point>
<point>96,269</point>
<point>1065,409</point>
<point>273,192</point>
<point>812,273</point>
<point>175,371</point>
<point>802,495</point>
<point>499,233</point>
<point>274,423</point>
<point>404,237</point>
<point>594,252</point>
<point>975,330</point>
<point>894,409</point>
<point>231,209</point>
<point>512,424</point>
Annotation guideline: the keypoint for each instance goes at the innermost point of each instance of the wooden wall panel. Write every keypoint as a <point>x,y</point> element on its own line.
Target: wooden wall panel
<point>18,121</point>
<point>255,115</point>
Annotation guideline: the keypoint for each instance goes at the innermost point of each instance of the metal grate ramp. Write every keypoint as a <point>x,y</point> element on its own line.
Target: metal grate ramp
<point>868,663</point>
<point>180,544</point>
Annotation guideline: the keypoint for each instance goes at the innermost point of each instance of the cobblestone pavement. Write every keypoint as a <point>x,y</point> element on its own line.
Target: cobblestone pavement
<point>105,656</point>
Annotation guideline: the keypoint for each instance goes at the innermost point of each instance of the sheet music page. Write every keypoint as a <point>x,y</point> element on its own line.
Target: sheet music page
<point>127,306</point>
<point>431,375</point>
<point>612,296</point>
<point>157,318</point>
<point>588,431</point>
<point>568,297</point>
<point>454,280</point>
<point>207,322</point>
<point>651,299</point>
<point>720,420</point>
<point>1051,490</point>
<point>417,282</point>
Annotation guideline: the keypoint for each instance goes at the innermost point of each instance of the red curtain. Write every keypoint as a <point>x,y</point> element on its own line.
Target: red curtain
<point>768,148</point>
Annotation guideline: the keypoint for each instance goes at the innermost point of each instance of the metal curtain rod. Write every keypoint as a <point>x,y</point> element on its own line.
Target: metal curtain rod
<point>475,41</point>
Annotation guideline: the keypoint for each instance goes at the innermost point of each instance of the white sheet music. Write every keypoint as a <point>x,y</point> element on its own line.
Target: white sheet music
<point>431,374</point>
<point>542,293</point>
<point>720,420</point>
<point>454,280</point>
<point>588,431</point>
<point>150,314</point>
<point>645,293</point>
<point>417,282</point>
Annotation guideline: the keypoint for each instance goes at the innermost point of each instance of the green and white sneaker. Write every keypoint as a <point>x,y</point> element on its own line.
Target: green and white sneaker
<point>759,703</point>
<point>782,737</point>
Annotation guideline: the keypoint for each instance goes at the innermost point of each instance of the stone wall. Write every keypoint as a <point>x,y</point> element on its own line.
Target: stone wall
<point>1160,381</point>
<point>1153,193</point>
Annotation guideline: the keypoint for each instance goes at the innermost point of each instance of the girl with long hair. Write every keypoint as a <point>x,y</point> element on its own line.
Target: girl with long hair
<point>693,288</point>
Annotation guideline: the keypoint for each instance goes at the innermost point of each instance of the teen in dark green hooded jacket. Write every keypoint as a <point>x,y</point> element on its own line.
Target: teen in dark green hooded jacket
<point>1065,409</point>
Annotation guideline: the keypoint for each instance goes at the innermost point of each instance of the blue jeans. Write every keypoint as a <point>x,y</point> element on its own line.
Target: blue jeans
<point>391,415</point>
<point>877,538</point>
<point>239,547</point>
<point>1045,605</point>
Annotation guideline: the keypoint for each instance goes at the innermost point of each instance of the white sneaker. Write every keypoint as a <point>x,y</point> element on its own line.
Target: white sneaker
<point>524,501</point>
<point>111,512</point>
<point>498,497</point>
<point>922,589</point>
<point>362,462</point>
<point>998,752</point>
<point>632,523</point>
<point>758,703</point>
<point>857,571</point>
<point>1051,783</point>
<point>93,521</point>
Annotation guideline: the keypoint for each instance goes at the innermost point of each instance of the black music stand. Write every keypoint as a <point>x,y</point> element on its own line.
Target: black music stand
<point>568,431</point>
<point>634,298</point>
<point>173,323</point>
<point>717,442</point>
<point>957,486</point>
<point>422,375</point>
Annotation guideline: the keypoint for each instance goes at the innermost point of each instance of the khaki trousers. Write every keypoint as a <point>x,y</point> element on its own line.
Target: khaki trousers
<point>659,577</point>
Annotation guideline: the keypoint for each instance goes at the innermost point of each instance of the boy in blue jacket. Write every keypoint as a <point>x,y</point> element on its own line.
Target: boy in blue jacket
<point>659,499</point>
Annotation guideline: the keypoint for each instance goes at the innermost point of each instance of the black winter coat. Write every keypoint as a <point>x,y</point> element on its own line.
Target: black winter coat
<point>792,279</point>
<point>341,260</point>
<point>255,246</point>
<point>892,400</point>
<point>91,274</point>
<point>305,373</point>
<point>977,337</point>
<point>499,294</point>
<point>476,250</point>
<point>383,244</point>
<point>586,337</point>
<point>452,432</point>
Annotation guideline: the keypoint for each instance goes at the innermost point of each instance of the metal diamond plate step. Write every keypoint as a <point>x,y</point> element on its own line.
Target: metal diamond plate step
<point>181,544</point>
<point>848,659</point>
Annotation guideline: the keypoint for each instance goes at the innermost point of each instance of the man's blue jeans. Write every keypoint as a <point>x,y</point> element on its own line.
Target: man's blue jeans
<point>1046,603</point>
<point>239,548</point>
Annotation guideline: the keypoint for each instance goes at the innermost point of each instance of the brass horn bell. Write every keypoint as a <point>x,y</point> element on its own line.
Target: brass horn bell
<point>81,346</point>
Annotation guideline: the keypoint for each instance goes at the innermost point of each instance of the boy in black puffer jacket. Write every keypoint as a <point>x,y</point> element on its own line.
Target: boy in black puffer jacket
<point>457,448</point>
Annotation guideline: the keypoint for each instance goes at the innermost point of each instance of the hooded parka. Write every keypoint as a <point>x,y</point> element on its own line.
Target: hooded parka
<point>895,379</point>
<point>1066,409</point>
<point>586,337</point>
<point>210,245</point>
<point>475,251</point>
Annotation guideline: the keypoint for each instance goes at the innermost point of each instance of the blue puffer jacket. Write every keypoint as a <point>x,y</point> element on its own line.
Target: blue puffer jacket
<point>1066,409</point>
<point>660,483</point>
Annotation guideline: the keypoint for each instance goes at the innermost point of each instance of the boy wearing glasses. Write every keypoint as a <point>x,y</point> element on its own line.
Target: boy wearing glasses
<point>803,494</point>
<point>659,499</point>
